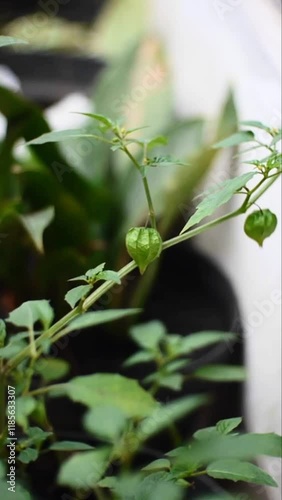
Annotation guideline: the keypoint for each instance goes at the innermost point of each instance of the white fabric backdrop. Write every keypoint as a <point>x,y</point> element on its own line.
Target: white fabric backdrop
<point>212,44</point>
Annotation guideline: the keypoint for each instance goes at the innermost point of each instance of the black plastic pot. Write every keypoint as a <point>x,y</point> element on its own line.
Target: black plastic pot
<point>74,10</point>
<point>47,78</point>
<point>190,295</point>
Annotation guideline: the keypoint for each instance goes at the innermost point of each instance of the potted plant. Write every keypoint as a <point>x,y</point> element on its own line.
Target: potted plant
<point>121,415</point>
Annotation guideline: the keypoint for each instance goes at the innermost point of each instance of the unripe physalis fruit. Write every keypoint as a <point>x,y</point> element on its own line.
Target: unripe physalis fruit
<point>260,225</point>
<point>144,245</point>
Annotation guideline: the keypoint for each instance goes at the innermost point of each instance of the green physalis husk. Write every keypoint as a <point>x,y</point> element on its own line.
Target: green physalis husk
<point>260,225</point>
<point>144,245</point>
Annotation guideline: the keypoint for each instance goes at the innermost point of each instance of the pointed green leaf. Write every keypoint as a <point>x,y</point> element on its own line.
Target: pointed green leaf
<point>165,415</point>
<point>73,296</point>
<point>29,312</point>
<point>24,407</point>
<point>99,317</point>
<point>109,276</point>
<point>206,433</point>
<point>234,470</point>
<point>277,138</point>
<point>196,341</point>
<point>242,447</point>
<point>221,195</point>
<point>156,141</point>
<point>256,124</point>
<point>92,273</point>
<point>100,118</point>
<point>12,349</point>
<point>70,446</point>
<point>36,223</point>
<point>37,436</point>
<point>221,373</point>
<point>84,469</point>
<point>105,422</point>
<point>148,335</point>
<point>159,485</point>
<point>158,465</point>
<point>173,381</point>
<point>59,136</point>
<point>28,455</point>
<point>107,389</point>
<point>51,369</point>
<point>227,426</point>
<point>235,139</point>
<point>138,358</point>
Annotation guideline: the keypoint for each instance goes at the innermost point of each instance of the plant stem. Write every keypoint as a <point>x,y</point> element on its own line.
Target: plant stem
<point>146,187</point>
<point>45,390</point>
<point>89,301</point>
<point>45,336</point>
<point>150,202</point>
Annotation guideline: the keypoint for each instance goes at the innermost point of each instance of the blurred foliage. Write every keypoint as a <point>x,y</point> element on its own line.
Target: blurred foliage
<point>124,21</point>
<point>95,192</point>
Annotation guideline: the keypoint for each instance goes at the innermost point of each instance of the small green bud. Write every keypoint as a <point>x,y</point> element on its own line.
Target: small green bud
<point>2,332</point>
<point>260,225</point>
<point>144,245</point>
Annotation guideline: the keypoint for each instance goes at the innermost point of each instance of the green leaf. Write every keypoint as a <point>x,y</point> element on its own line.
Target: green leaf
<point>148,335</point>
<point>223,427</point>
<point>12,349</point>
<point>84,469</point>
<point>206,433</point>
<point>227,426</point>
<point>234,470</point>
<point>163,161</point>
<point>5,41</point>
<point>37,436</point>
<point>260,225</point>
<point>24,407</point>
<point>165,415</point>
<point>221,373</point>
<point>70,446</point>
<point>235,139</point>
<point>107,389</point>
<point>59,136</point>
<point>76,294</point>
<point>99,317</point>
<point>174,366</point>
<point>109,482</point>
<point>92,273</point>
<point>277,138</point>
<point>138,358</point>
<point>158,465</point>
<point>144,245</point>
<point>196,341</point>
<point>51,369</point>
<point>217,198</point>
<point>30,312</point>
<point>174,381</point>
<point>2,332</point>
<point>220,447</point>
<point>256,124</point>
<point>159,485</point>
<point>36,223</point>
<point>109,276</point>
<point>105,422</point>
<point>156,141</point>
<point>28,455</point>
<point>100,118</point>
